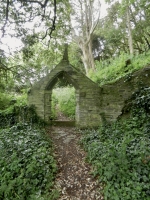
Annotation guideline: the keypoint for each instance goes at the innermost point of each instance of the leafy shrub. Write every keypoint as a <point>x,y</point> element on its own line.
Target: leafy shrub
<point>19,114</point>
<point>9,104</point>
<point>17,111</point>
<point>26,165</point>
<point>141,100</point>
<point>109,71</point>
<point>64,101</point>
<point>120,153</point>
<point>5,100</point>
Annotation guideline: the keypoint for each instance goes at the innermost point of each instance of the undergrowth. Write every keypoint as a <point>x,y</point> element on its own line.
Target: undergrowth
<point>27,166</point>
<point>120,152</point>
<point>110,70</point>
<point>14,109</point>
<point>63,100</point>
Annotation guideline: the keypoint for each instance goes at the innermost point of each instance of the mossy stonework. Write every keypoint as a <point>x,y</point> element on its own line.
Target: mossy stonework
<point>86,91</point>
<point>114,96</point>
<point>94,104</point>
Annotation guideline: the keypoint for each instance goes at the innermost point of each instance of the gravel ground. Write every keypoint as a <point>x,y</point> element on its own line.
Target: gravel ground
<point>74,179</point>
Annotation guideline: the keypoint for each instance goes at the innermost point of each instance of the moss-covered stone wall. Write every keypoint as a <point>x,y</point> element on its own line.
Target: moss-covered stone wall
<point>113,96</point>
<point>94,104</point>
<point>87,95</point>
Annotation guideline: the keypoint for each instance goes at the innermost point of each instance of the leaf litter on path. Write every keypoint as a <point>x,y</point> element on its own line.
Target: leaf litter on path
<point>74,180</point>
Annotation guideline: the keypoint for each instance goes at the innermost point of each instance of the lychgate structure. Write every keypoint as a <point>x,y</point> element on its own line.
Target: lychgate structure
<point>86,91</point>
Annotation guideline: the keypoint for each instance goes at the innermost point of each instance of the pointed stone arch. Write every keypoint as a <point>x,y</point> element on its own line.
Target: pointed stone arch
<point>86,92</point>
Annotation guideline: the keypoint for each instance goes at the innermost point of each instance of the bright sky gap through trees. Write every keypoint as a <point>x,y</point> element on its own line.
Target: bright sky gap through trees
<point>10,44</point>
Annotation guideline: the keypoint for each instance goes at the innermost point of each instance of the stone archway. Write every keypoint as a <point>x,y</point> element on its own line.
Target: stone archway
<point>86,91</point>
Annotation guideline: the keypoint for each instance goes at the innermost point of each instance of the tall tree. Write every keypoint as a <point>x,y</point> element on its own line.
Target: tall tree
<point>129,28</point>
<point>85,21</point>
<point>125,28</point>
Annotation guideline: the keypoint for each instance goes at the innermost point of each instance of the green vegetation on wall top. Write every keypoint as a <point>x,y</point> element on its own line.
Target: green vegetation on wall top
<point>110,70</point>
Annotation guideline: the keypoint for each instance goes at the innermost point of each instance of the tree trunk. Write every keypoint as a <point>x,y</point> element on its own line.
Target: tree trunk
<point>87,56</point>
<point>130,40</point>
<point>91,56</point>
<point>87,25</point>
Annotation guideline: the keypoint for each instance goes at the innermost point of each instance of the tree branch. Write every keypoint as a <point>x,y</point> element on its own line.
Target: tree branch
<point>94,25</point>
<point>52,28</point>
<point>6,19</point>
<point>38,2</point>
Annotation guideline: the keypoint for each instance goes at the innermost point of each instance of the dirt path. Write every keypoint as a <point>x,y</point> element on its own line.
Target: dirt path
<point>73,179</point>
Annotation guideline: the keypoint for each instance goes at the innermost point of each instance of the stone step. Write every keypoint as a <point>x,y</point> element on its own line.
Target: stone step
<point>62,123</point>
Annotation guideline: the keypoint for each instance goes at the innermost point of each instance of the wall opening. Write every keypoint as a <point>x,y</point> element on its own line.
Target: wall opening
<point>87,95</point>
<point>63,102</point>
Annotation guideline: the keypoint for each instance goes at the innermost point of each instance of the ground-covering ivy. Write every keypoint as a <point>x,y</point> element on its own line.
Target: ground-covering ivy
<point>120,152</point>
<point>27,167</point>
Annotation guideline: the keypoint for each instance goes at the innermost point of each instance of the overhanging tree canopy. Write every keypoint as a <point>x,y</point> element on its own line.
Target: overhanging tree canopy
<point>16,16</point>
<point>20,18</point>
<point>32,21</point>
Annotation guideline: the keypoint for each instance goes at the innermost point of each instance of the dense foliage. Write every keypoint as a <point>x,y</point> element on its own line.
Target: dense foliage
<point>120,152</point>
<point>110,70</point>
<point>64,102</point>
<point>124,26</point>
<point>107,49</point>
<point>14,110</point>
<point>27,165</point>
<point>23,17</point>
